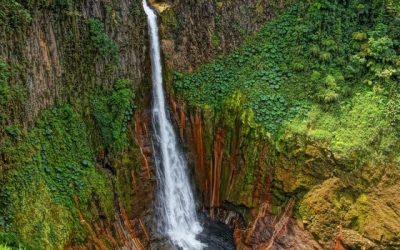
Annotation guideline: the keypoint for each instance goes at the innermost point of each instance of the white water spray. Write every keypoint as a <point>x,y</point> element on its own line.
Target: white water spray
<point>178,211</point>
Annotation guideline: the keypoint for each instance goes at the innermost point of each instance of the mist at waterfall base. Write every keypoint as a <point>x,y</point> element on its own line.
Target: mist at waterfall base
<point>178,218</point>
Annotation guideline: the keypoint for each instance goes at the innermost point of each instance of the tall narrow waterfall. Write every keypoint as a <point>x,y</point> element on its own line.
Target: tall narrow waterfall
<point>178,211</point>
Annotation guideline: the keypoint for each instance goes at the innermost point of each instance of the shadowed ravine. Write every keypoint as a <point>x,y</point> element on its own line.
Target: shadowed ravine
<point>178,219</point>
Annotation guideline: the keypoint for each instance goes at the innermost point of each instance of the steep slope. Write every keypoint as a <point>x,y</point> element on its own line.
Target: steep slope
<point>195,32</point>
<point>306,111</point>
<point>69,162</point>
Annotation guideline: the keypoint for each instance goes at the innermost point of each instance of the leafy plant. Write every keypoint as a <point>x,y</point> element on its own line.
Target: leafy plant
<point>13,15</point>
<point>112,111</point>
<point>99,39</point>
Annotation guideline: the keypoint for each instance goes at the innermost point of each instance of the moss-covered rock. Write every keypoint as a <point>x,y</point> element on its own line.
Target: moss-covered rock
<point>376,215</point>
<point>371,212</point>
<point>52,182</point>
<point>322,209</point>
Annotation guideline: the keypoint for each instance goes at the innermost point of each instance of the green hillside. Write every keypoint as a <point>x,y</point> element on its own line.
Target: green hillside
<point>326,71</point>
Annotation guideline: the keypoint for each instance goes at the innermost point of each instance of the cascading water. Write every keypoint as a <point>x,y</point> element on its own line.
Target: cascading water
<point>177,205</point>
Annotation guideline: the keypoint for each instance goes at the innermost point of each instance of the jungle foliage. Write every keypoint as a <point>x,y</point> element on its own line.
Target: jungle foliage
<point>100,41</point>
<point>50,177</point>
<point>327,72</point>
<point>55,170</point>
<point>112,111</point>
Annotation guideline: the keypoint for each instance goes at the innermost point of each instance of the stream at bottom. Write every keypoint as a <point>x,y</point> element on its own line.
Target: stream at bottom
<point>216,235</point>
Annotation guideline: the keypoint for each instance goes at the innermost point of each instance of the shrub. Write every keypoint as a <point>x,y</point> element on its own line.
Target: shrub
<point>112,111</point>
<point>99,39</point>
<point>13,15</point>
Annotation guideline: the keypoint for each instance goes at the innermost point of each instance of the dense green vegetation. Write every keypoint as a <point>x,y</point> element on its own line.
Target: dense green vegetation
<point>104,45</point>
<point>4,88</point>
<point>12,96</point>
<point>13,15</point>
<point>112,111</point>
<point>325,71</point>
<point>51,175</point>
<point>51,165</point>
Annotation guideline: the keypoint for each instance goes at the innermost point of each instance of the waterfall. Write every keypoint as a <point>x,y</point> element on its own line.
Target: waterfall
<point>179,221</point>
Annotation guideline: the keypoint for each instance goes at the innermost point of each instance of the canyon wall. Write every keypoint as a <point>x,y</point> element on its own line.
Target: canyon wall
<point>88,61</point>
<point>290,192</point>
<point>293,195</point>
<point>52,54</point>
<point>74,78</point>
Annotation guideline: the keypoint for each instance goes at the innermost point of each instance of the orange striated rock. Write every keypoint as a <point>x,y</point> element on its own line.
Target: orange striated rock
<point>274,232</point>
<point>215,170</point>
<point>199,151</point>
<point>141,135</point>
<point>238,236</point>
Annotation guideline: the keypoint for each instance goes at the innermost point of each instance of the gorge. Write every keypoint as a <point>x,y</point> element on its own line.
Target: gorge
<point>240,124</point>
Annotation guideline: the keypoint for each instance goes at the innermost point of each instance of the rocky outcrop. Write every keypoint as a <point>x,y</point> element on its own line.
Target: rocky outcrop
<point>367,213</point>
<point>275,231</point>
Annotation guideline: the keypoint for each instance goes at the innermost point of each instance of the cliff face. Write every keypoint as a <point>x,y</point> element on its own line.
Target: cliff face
<point>235,166</point>
<point>74,105</point>
<point>51,50</point>
<point>296,197</point>
<point>73,78</point>
<point>194,33</point>
<point>286,189</point>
